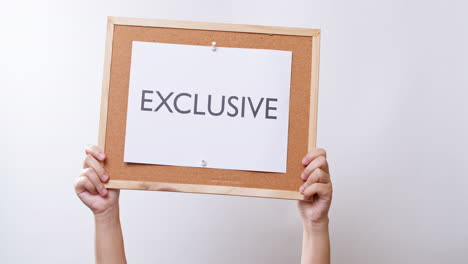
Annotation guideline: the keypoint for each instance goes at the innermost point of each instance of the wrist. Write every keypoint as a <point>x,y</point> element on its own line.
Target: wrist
<point>109,215</point>
<point>316,227</point>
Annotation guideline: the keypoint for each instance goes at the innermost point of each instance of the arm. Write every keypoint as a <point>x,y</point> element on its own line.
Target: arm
<point>109,246</point>
<point>317,191</point>
<point>315,244</point>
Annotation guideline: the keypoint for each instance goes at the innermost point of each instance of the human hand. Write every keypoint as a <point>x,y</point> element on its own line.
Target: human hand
<point>317,188</point>
<point>89,186</point>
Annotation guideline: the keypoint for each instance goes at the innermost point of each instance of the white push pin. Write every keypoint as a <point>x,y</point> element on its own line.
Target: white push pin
<point>203,163</point>
<point>213,46</point>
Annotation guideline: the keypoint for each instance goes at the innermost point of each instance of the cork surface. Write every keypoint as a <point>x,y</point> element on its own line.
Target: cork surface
<point>123,35</point>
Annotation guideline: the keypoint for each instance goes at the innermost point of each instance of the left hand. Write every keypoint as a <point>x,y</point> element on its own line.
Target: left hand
<point>317,188</point>
<point>89,186</point>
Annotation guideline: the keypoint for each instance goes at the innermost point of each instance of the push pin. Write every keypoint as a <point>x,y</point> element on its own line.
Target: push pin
<point>213,46</point>
<point>203,163</point>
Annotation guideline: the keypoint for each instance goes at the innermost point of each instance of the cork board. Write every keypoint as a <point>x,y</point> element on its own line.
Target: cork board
<point>304,44</point>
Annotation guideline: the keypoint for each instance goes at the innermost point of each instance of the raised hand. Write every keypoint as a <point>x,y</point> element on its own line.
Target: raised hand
<point>89,185</point>
<point>317,188</point>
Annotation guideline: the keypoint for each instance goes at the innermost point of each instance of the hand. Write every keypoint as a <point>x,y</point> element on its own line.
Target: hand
<point>317,188</point>
<point>89,186</point>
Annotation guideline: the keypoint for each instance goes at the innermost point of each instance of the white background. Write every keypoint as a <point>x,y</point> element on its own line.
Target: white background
<point>243,142</point>
<point>393,115</point>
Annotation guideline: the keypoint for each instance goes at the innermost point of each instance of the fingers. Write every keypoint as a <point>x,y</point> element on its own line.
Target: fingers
<point>93,177</point>
<point>317,176</point>
<point>312,155</point>
<point>96,152</point>
<point>91,162</point>
<point>318,163</point>
<point>83,184</point>
<point>323,190</point>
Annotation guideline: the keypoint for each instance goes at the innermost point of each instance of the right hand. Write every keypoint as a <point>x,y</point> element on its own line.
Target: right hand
<point>89,186</point>
<point>317,186</point>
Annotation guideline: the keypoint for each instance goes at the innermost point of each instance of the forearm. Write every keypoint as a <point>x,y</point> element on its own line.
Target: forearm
<point>109,245</point>
<point>316,243</point>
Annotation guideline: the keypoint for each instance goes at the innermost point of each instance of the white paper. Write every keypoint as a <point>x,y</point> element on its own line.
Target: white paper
<point>195,140</point>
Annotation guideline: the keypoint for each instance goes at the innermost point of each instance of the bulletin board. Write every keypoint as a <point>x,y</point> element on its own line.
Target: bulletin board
<point>304,44</point>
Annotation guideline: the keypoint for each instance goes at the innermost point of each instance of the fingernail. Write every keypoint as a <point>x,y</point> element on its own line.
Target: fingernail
<point>301,189</point>
<point>303,176</point>
<point>304,161</point>
<point>105,177</point>
<point>101,156</point>
<point>104,192</point>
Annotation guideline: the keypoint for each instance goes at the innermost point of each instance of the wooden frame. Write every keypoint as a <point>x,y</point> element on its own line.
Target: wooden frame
<point>112,22</point>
